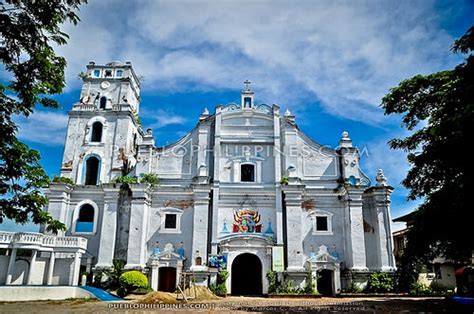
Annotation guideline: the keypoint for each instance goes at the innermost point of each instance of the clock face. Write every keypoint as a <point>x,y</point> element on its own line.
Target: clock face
<point>104,85</point>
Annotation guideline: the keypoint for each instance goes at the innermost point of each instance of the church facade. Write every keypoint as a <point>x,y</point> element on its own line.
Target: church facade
<point>245,189</point>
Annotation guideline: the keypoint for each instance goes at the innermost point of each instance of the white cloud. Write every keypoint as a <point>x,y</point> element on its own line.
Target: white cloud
<point>48,128</point>
<point>162,118</point>
<point>344,54</point>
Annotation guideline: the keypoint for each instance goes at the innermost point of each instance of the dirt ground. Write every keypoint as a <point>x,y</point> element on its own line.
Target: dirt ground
<point>243,305</point>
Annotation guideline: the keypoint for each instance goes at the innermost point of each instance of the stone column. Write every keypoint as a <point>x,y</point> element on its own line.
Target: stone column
<point>108,229</point>
<point>32,266</point>
<point>200,222</point>
<point>52,259</point>
<point>354,229</point>
<point>294,244</point>
<point>137,248</point>
<point>11,264</point>
<point>76,266</point>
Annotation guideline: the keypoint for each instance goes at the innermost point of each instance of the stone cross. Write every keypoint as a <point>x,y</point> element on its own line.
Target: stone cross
<point>247,84</point>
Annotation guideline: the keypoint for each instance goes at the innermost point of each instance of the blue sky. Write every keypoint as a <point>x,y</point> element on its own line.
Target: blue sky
<point>328,62</point>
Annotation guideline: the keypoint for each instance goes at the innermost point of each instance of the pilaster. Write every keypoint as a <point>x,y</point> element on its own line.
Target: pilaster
<point>381,201</point>
<point>294,244</point>
<point>141,201</point>
<point>109,226</point>
<point>59,195</point>
<point>354,225</point>
<point>200,222</point>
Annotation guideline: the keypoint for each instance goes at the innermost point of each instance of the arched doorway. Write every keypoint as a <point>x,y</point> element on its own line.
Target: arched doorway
<point>246,275</point>
<point>167,279</point>
<point>325,282</point>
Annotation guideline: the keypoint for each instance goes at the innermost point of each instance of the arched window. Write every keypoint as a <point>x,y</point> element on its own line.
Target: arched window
<point>103,102</point>
<point>85,219</point>
<point>247,102</point>
<point>247,173</point>
<point>92,170</point>
<point>96,135</point>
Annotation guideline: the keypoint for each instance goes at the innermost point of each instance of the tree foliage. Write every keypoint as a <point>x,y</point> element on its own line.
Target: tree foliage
<point>438,110</point>
<point>27,31</point>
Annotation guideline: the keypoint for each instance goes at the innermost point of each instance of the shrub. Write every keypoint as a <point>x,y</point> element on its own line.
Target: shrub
<point>149,178</point>
<point>125,180</point>
<point>288,287</point>
<point>354,288</point>
<point>131,281</point>
<point>309,284</point>
<point>57,179</point>
<point>420,289</point>
<point>284,180</point>
<point>222,276</point>
<point>273,282</point>
<point>380,282</point>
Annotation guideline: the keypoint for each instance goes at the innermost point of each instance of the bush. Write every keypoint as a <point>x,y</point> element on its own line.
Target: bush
<point>354,288</point>
<point>57,179</point>
<point>131,281</point>
<point>309,284</point>
<point>149,178</point>
<point>380,282</point>
<point>273,282</point>
<point>420,289</point>
<point>288,287</point>
<point>125,180</point>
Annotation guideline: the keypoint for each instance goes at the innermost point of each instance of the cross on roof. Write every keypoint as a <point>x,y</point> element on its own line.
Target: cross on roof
<point>247,84</point>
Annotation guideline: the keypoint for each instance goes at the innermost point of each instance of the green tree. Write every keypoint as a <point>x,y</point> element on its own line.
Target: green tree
<point>27,31</point>
<point>438,110</point>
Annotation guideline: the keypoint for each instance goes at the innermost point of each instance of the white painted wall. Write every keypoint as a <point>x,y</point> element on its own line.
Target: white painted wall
<point>34,293</point>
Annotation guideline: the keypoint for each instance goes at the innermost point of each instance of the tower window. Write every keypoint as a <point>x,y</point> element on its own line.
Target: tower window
<point>92,171</point>
<point>321,223</point>
<point>103,102</point>
<point>85,219</point>
<point>108,73</point>
<point>96,135</point>
<point>247,173</point>
<point>170,221</point>
<point>119,73</point>
<point>247,102</point>
<point>96,73</point>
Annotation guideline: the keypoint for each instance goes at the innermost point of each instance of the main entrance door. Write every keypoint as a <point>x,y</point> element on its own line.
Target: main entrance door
<point>246,275</point>
<point>167,279</point>
<point>325,282</point>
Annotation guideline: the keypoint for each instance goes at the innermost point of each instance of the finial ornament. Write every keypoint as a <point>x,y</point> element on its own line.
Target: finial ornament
<point>380,178</point>
<point>345,135</point>
<point>205,112</point>
<point>287,113</point>
<point>247,84</point>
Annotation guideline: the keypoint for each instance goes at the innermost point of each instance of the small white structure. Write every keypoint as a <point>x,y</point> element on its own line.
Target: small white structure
<point>245,181</point>
<point>49,260</point>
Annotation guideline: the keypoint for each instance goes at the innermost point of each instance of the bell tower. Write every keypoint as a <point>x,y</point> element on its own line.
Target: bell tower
<point>113,84</point>
<point>103,129</point>
<point>247,96</point>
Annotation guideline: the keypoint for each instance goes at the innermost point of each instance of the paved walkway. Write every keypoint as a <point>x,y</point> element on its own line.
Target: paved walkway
<point>245,304</point>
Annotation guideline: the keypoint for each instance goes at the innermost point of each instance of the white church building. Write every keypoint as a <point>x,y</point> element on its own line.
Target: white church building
<point>245,186</point>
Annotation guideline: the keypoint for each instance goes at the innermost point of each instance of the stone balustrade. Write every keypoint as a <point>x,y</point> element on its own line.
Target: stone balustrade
<point>39,239</point>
